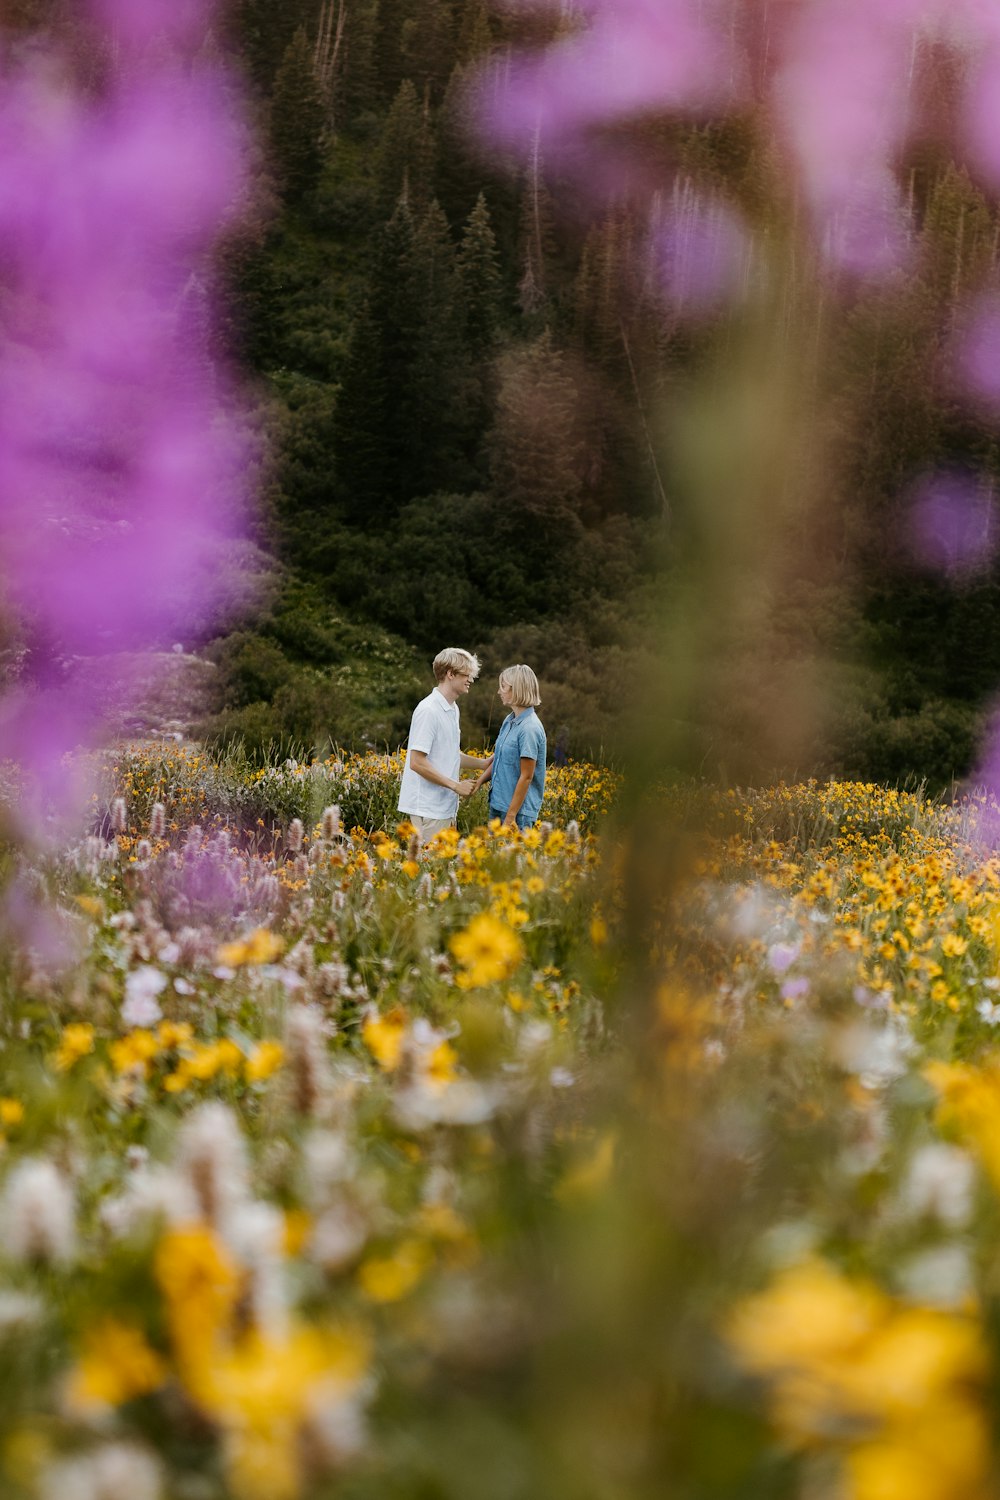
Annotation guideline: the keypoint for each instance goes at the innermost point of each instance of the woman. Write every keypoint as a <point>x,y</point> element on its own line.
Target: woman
<point>516,769</point>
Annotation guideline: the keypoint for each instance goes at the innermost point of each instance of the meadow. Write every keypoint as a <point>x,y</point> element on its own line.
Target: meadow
<point>333,1167</point>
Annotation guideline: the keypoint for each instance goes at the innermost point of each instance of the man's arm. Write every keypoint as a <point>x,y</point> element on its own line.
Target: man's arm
<point>420,763</point>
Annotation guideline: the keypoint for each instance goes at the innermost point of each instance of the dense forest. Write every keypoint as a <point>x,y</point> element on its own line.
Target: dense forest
<point>458,373</point>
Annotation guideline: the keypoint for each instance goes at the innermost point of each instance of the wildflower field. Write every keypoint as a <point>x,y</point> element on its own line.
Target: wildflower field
<point>335,1167</point>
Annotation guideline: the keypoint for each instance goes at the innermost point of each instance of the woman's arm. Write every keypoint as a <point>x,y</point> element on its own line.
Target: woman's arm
<point>520,791</point>
<point>485,775</point>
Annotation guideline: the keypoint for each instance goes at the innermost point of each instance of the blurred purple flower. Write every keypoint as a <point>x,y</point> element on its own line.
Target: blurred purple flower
<point>119,457</point>
<point>842,106</point>
<point>634,57</point>
<point>952,524</point>
<point>980,122</point>
<point>978,353</point>
<point>700,250</point>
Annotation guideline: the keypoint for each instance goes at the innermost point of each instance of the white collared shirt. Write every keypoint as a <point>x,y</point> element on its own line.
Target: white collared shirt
<point>434,729</point>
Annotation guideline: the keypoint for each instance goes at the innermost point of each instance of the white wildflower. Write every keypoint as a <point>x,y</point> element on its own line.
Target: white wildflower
<point>939,1185</point>
<point>212,1156</point>
<point>941,1277</point>
<point>338,1237</point>
<point>118,1471</point>
<point>38,1212</point>
<point>141,989</point>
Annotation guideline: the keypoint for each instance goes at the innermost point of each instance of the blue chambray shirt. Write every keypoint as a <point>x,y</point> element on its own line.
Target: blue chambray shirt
<point>520,735</point>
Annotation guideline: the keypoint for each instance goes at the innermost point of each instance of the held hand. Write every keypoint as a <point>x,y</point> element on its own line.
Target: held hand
<point>465,788</point>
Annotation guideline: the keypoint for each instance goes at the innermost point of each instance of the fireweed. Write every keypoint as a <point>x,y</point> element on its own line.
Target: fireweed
<point>120,452</point>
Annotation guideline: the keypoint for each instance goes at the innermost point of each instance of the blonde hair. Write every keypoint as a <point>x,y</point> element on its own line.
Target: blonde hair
<point>523,686</point>
<point>454,659</point>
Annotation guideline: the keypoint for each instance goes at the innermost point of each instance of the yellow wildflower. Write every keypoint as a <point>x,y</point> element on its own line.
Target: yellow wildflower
<point>261,1391</point>
<point>200,1286</point>
<point>488,950</point>
<point>174,1034</point>
<point>11,1112</point>
<point>588,1177</point>
<point>117,1364</point>
<point>970,1105</point>
<point>389,1278</point>
<point>265,1059</point>
<point>133,1051</point>
<point>383,1036</point>
<point>76,1041</point>
<point>261,947</point>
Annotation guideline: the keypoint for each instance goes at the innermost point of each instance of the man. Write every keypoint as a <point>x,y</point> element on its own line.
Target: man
<point>430,789</point>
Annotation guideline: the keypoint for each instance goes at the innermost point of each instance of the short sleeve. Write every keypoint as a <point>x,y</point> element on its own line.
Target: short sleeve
<point>532,746</point>
<point>422,729</point>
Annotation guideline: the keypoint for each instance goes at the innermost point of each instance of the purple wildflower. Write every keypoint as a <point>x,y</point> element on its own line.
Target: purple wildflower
<point>953,526</point>
<point>634,57</point>
<point>700,251</point>
<point>119,455</point>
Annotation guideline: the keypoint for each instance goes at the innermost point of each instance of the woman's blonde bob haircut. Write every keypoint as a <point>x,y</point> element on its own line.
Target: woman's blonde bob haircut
<point>523,686</point>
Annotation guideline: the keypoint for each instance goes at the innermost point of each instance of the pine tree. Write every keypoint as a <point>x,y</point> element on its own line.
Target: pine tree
<point>298,118</point>
<point>376,421</point>
<point>387,50</point>
<point>356,90</point>
<point>537,245</point>
<point>535,448</point>
<point>427,47</point>
<point>479,275</point>
<point>440,391</point>
<point>263,31</point>
<point>405,161</point>
<point>475,36</point>
<point>959,236</point>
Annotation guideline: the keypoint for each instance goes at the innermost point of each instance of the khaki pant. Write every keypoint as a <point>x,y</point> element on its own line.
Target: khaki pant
<point>428,827</point>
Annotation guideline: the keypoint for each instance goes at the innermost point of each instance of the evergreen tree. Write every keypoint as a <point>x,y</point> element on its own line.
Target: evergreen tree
<point>535,448</point>
<point>376,424</point>
<point>298,118</point>
<point>428,48</point>
<point>602,292</point>
<point>356,89</point>
<point>537,245</point>
<point>263,32</point>
<point>405,160</point>
<point>959,236</point>
<point>440,395</point>
<point>475,36</point>
<point>479,275</point>
<point>387,49</point>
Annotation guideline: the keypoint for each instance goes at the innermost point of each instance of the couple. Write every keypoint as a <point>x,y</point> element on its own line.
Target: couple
<point>431,787</point>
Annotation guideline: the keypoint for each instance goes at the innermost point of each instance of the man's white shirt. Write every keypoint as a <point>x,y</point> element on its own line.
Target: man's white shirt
<point>434,729</point>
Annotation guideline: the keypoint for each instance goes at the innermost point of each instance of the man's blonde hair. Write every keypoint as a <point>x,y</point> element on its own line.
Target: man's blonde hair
<point>523,686</point>
<point>454,659</point>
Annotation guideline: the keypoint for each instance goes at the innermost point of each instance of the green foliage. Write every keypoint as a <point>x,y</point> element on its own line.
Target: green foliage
<point>297,119</point>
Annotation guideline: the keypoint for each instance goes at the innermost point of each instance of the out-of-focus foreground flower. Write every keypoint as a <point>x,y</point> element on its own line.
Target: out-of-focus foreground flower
<point>118,454</point>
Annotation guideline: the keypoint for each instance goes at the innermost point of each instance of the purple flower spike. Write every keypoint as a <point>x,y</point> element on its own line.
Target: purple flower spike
<point>635,57</point>
<point>138,22</point>
<point>700,251</point>
<point>978,354</point>
<point>981,114</point>
<point>953,524</point>
<point>120,461</point>
<point>842,99</point>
